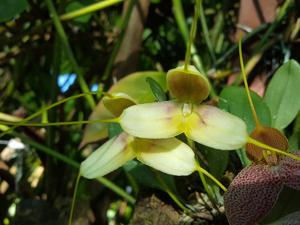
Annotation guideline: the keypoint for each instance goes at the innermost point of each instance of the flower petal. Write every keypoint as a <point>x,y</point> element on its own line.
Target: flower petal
<point>216,128</point>
<point>110,156</point>
<point>152,120</point>
<point>170,155</point>
<point>252,194</point>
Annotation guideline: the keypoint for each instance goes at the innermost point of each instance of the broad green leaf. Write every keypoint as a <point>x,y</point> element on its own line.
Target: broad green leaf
<point>282,95</point>
<point>114,129</point>
<point>157,90</point>
<point>11,8</point>
<point>235,101</point>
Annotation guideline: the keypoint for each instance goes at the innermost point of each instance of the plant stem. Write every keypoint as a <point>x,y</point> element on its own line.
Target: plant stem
<point>246,85</point>
<point>114,120</point>
<point>74,199</point>
<point>88,9</point>
<point>76,165</point>
<point>180,19</point>
<point>205,172</point>
<point>171,194</point>
<point>206,33</point>
<point>20,123</point>
<point>192,35</point>
<point>64,40</point>
<point>267,147</point>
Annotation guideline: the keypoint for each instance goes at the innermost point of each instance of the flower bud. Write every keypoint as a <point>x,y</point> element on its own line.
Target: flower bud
<point>187,85</point>
<point>269,136</point>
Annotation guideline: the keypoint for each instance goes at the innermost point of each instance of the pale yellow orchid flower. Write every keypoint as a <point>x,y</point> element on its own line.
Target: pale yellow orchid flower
<point>170,156</point>
<point>202,123</point>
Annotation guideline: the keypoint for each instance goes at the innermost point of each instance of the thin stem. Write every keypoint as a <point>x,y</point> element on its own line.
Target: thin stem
<point>205,32</point>
<point>114,120</point>
<point>267,147</point>
<point>45,109</point>
<point>65,43</point>
<point>74,199</point>
<point>180,19</point>
<point>107,183</point>
<point>191,143</point>
<point>205,172</point>
<point>171,194</point>
<point>246,85</point>
<point>192,35</point>
<point>88,9</point>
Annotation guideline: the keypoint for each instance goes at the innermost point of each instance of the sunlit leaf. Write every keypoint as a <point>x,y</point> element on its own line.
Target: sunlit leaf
<point>282,95</point>
<point>235,101</point>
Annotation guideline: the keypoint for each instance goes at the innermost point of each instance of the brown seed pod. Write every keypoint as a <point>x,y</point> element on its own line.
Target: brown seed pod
<point>187,85</point>
<point>269,136</point>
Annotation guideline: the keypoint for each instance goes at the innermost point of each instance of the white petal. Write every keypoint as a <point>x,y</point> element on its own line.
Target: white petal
<point>109,157</point>
<point>152,120</point>
<point>170,155</point>
<point>216,128</point>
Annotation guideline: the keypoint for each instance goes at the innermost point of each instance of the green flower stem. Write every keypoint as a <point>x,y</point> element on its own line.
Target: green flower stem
<point>114,120</point>
<point>192,35</point>
<point>189,38</point>
<point>20,123</point>
<point>200,170</point>
<point>171,194</point>
<point>88,9</point>
<point>180,19</point>
<point>65,43</point>
<point>205,32</point>
<point>257,123</point>
<point>74,199</point>
<point>235,47</point>
<point>267,147</point>
<point>76,165</point>
<point>205,172</point>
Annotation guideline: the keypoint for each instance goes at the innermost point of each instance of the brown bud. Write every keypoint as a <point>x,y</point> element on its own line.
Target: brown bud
<point>187,85</point>
<point>116,103</point>
<point>269,136</point>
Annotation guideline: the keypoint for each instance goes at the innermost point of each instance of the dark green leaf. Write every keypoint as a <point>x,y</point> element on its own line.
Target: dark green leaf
<point>11,8</point>
<point>282,95</point>
<point>73,6</point>
<point>114,129</point>
<point>235,101</point>
<point>157,90</point>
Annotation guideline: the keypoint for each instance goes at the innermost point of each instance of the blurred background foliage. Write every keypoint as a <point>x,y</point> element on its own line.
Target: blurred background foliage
<point>46,58</point>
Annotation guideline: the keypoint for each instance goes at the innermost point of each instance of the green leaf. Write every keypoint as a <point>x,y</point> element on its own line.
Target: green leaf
<point>282,95</point>
<point>157,90</point>
<point>114,129</point>
<point>11,8</point>
<point>217,160</point>
<point>235,101</point>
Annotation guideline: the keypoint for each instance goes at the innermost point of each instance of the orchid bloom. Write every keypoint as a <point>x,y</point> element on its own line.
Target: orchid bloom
<point>150,129</point>
<point>202,123</point>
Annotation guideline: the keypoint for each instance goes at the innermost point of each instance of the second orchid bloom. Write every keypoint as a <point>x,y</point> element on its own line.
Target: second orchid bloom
<point>150,129</point>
